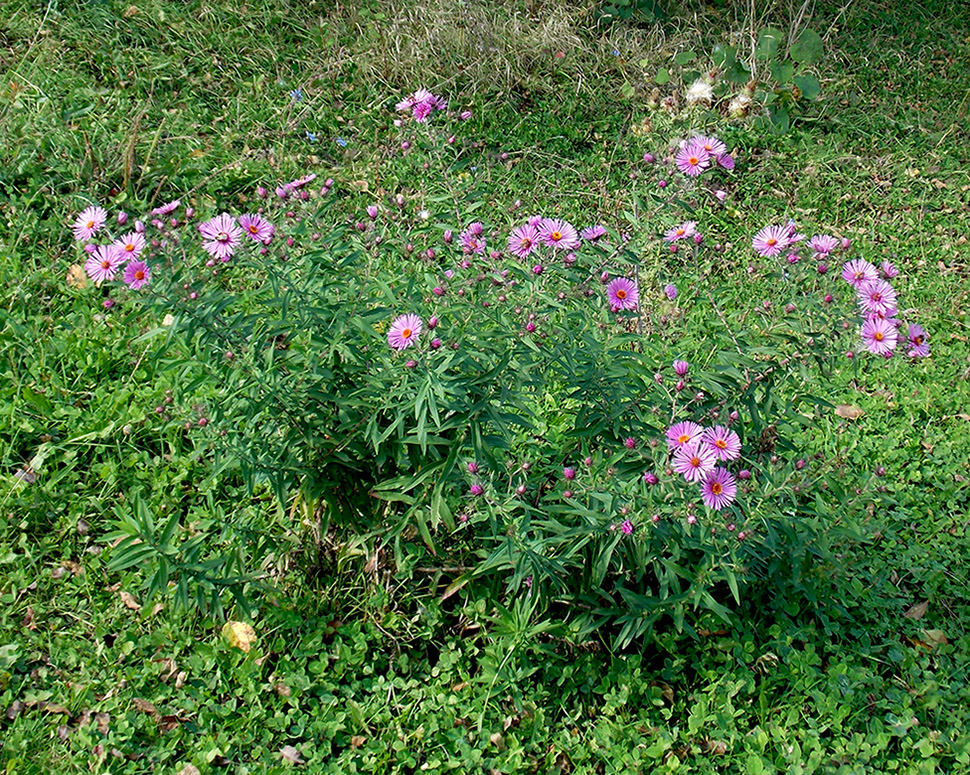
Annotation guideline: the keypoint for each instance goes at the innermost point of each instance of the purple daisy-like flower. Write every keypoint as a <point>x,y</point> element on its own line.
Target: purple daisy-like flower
<point>876,296</point>
<point>718,489</point>
<point>670,291</point>
<point>136,275</point>
<point>723,442</point>
<point>89,222</point>
<point>725,161</point>
<point>472,240</point>
<point>685,230</point>
<point>888,270</point>
<point>692,159</point>
<point>712,145</point>
<point>104,263</point>
<point>822,245</point>
<point>919,346</point>
<point>593,233</point>
<point>523,240</point>
<point>857,271</point>
<point>771,241</point>
<point>131,244</point>
<point>879,335</point>
<point>221,235</point>
<point>256,227</point>
<point>683,434</point>
<point>693,461</point>
<point>167,208</point>
<point>559,234</point>
<point>404,331</point>
<point>623,294</point>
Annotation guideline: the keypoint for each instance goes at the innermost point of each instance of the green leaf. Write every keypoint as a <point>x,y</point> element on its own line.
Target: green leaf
<point>724,56</point>
<point>662,77</point>
<point>684,57</point>
<point>807,50</point>
<point>768,43</point>
<point>809,86</point>
<point>782,72</point>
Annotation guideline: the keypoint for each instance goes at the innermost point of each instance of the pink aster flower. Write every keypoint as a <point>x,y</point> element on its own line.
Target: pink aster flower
<point>472,240</point>
<point>919,346</point>
<point>167,208</point>
<point>221,235</point>
<point>104,262</point>
<point>723,442</point>
<point>858,271</point>
<point>879,336</point>
<point>683,433</point>
<point>822,244</point>
<point>593,233</point>
<point>718,489</point>
<point>89,222</point>
<point>693,461</point>
<point>523,240</point>
<point>136,275</point>
<point>131,244</point>
<point>876,296</point>
<point>404,331</point>
<point>623,294</point>
<point>771,241</point>
<point>559,234</point>
<point>257,228</point>
<point>712,145</point>
<point>685,230</point>
<point>888,270</point>
<point>692,159</point>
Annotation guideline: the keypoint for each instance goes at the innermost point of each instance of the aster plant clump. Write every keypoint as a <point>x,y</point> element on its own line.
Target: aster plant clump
<point>522,394</point>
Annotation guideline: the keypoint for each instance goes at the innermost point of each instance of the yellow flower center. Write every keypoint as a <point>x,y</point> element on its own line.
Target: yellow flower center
<point>406,333</point>
<point>139,274</point>
<point>681,232</point>
<point>693,160</point>
<point>771,242</point>
<point>695,462</point>
<point>90,224</point>
<point>878,336</point>
<point>253,228</point>
<point>556,235</point>
<point>621,294</point>
<point>716,488</point>
<point>917,340</point>
<point>525,243</point>
<point>130,248</point>
<point>105,264</point>
<point>683,438</point>
<point>720,444</point>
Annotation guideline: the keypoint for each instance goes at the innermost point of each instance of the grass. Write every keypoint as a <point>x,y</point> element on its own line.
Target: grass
<point>360,670</point>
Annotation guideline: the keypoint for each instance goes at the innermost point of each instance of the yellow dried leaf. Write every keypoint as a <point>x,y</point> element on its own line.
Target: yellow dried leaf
<point>76,278</point>
<point>849,412</point>
<point>129,12</point>
<point>917,611</point>
<point>239,634</point>
<point>128,599</point>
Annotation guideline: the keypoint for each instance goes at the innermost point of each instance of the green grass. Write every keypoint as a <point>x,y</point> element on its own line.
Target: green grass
<point>365,671</point>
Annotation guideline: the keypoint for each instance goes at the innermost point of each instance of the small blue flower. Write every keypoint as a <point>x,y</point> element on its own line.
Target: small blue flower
<point>311,136</point>
<point>341,142</point>
<point>297,95</point>
<point>616,52</point>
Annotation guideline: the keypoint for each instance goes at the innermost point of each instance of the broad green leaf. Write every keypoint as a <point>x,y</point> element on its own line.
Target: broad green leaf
<point>768,43</point>
<point>807,50</point>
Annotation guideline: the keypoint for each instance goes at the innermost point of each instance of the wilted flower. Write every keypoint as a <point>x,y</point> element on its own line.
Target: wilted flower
<point>699,93</point>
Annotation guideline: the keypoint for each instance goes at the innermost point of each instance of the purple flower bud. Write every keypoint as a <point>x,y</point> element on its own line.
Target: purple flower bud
<point>569,473</point>
<point>680,385</point>
<point>691,519</point>
<point>629,442</point>
<point>846,243</point>
<point>465,115</point>
<point>567,494</point>
<point>189,212</point>
<point>823,268</point>
<point>430,253</point>
<point>530,326</point>
<point>698,238</point>
<point>109,303</point>
<point>122,218</point>
<point>476,489</point>
<point>520,490</point>
<point>662,183</point>
<point>537,269</point>
<point>372,211</point>
<point>405,145</point>
<point>626,527</point>
<point>411,364</point>
<point>438,291</point>
<point>670,291</point>
<point>681,367</point>
<point>588,461</point>
<point>435,343</point>
<point>734,416</point>
<point>744,474</point>
<point>799,464</point>
<point>649,158</point>
<point>448,236</point>
<point>261,192</point>
<point>650,477</point>
<point>472,467</point>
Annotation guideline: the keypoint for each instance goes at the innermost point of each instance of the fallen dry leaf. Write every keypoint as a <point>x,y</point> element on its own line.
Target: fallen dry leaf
<point>239,634</point>
<point>102,720</point>
<point>290,754</point>
<point>933,638</point>
<point>145,706</point>
<point>357,741</point>
<point>129,12</point>
<point>849,412</point>
<point>76,278</point>
<point>917,611</point>
<point>128,599</point>
<point>189,769</point>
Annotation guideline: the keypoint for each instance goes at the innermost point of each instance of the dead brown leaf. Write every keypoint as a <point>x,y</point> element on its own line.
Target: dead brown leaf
<point>932,638</point>
<point>918,611</point>
<point>357,741</point>
<point>145,706</point>
<point>189,769</point>
<point>76,278</point>
<point>29,619</point>
<point>849,412</point>
<point>129,12</point>
<point>102,720</point>
<point>128,599</point>
<point>290,754</point>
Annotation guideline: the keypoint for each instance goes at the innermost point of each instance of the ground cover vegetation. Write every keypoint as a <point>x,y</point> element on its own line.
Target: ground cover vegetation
<point>484,388</point>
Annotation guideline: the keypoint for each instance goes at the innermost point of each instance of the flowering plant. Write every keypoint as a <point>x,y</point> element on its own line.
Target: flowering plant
<point>549,416</point>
